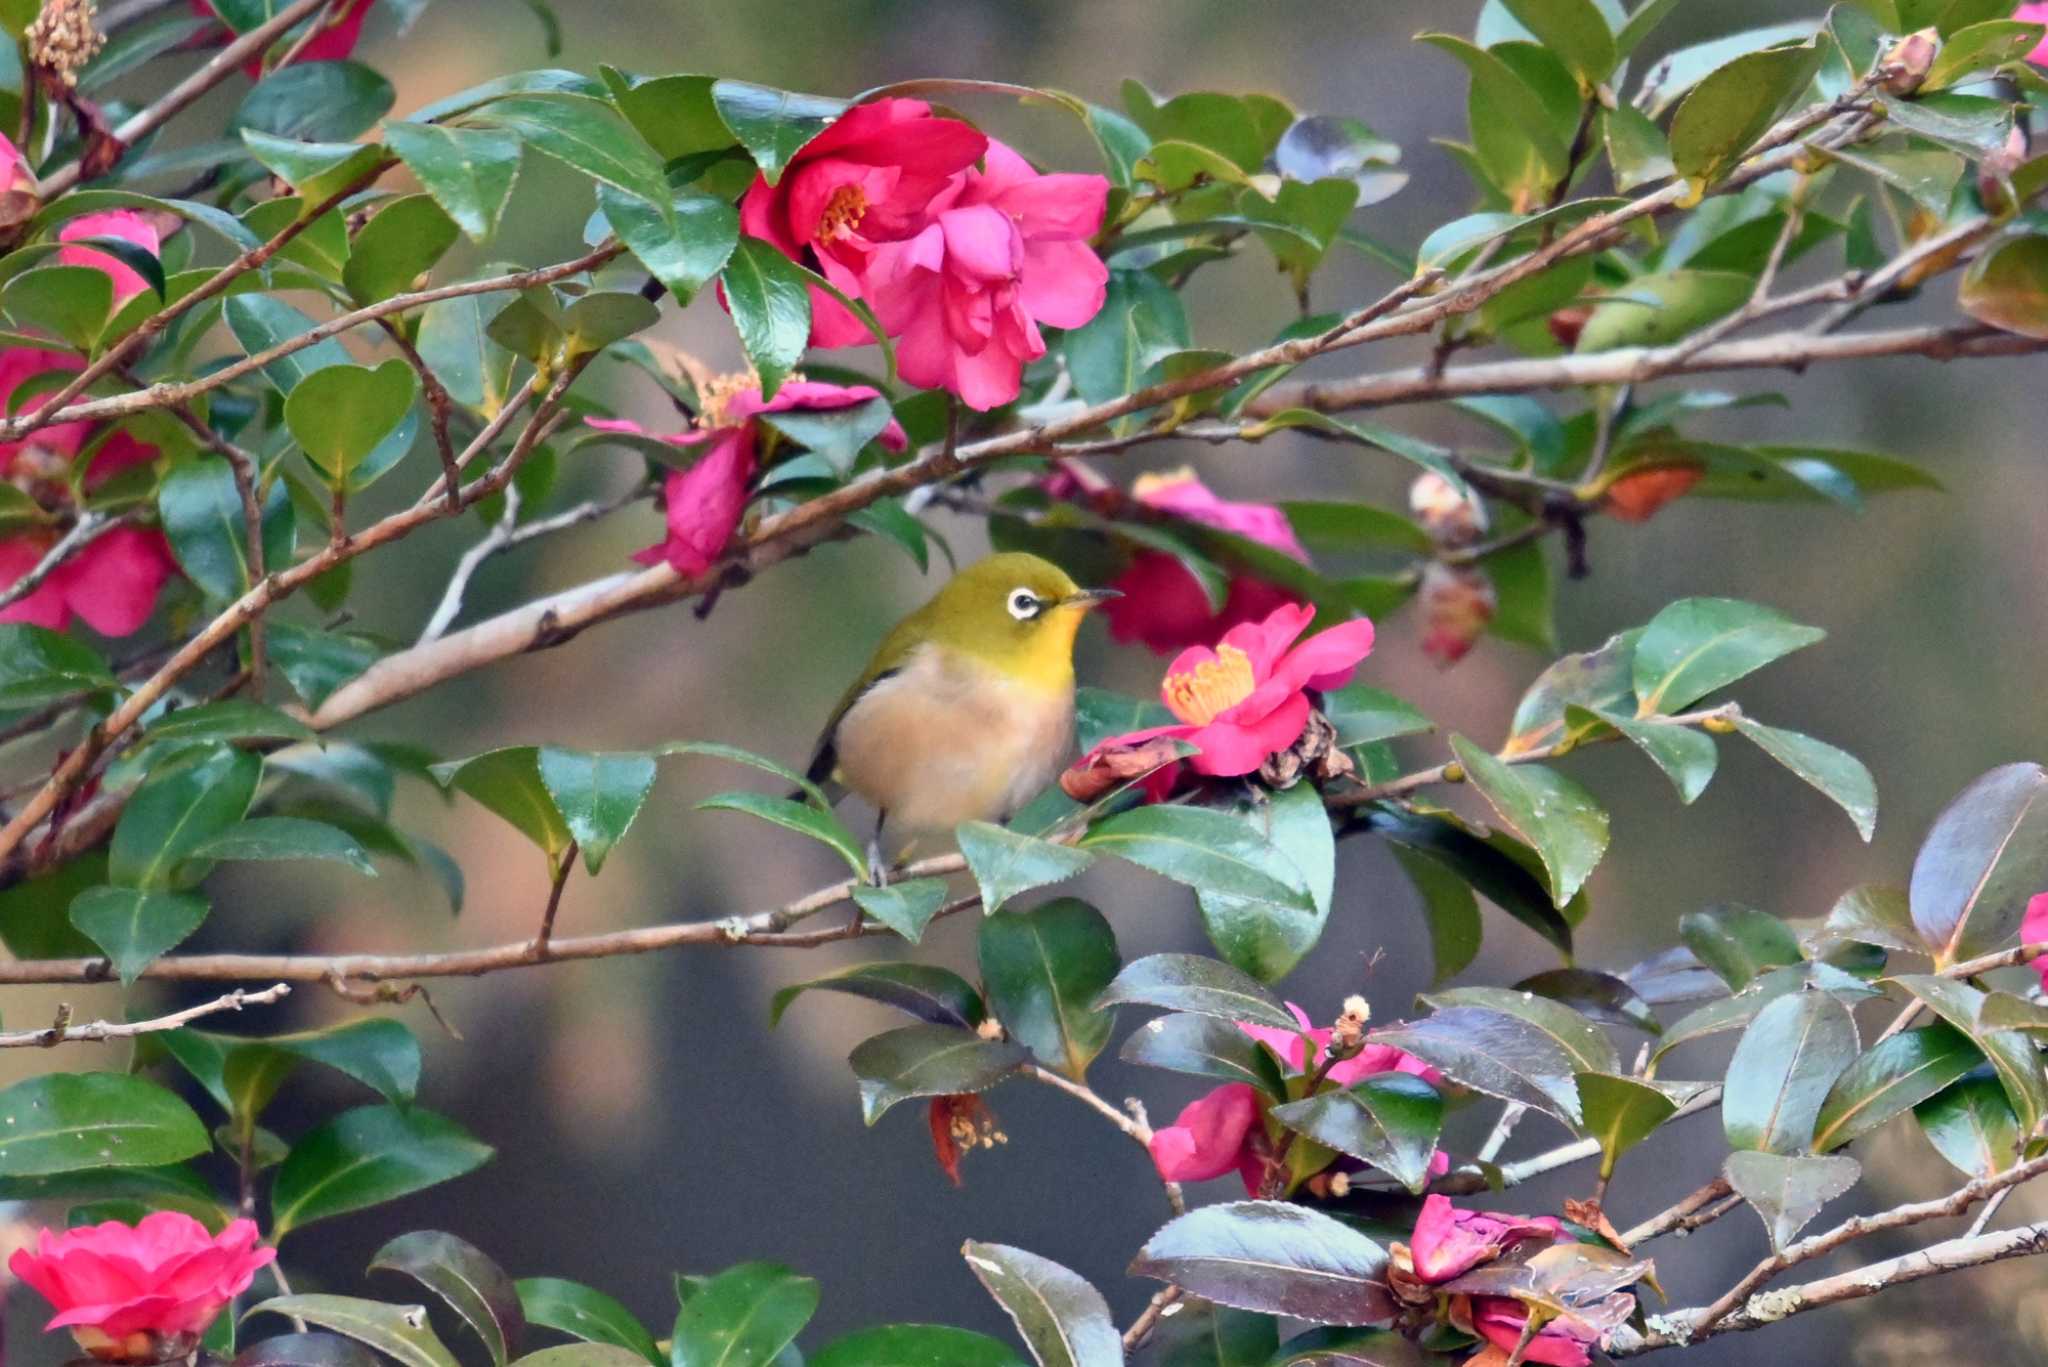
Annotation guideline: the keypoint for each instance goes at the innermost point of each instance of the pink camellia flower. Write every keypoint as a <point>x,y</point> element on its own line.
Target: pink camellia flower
<point>1163,606</point>
<point>2035,13</point>
<point>866,180</point>
<point>336,33</point>
<point>1565,1341</point>
<point>2034,931</point>
<point>705,502</point>
<point>141,1293</point>
<point>124,224</point>
<point>1302,1051</point>
<point>19,199</point>
<point>1449,1242</point>
<point>1248,697</point>
<point>1457,602</point>
<point>1005,250</point>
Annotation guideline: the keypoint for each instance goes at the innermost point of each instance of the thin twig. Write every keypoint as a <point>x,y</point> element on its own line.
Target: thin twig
<point>503,537</point>
<point>90,527</point>
<point>63,1032</point>
<point>546,933</point>
<point>440,405</point>
<point>1163,1300</point>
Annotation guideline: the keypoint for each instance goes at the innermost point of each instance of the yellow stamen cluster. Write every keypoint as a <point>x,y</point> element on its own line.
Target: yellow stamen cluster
<point>843,212</point>
<point>1211,688</point>
<point>715,393</point>
<point>63,38</point>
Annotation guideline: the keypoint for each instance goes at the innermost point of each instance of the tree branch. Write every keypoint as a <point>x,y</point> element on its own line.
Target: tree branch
<point>63,1032</point>
<point>90,527</point>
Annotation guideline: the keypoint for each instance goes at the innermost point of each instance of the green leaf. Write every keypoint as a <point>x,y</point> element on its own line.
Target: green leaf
<point>1662,308</point>
<point>1586,1043</point>
<point>1500,1055</point>
<point>71,301</point>
<point>597,795</point>
<point>399,244</point>
<point>1985,855</point>
<point>398,1331</point>
<point>1836,773</point>
<point>605,316</point>
<point>549,81</point>
<point>459,1273</point>
<point>229,720</point>
<point>1490,867</point>
<point>378,1052</point>
<point>1513,135</point>
<point>581,1354</point>
<point>674,113</point>
<point>1363,715</point>
<point>773,125</point>
<point>906,908</point>
<point>1621,1112</point>
<point>1207,850</point>
<point>327,101</point>
<point>1728,111</point>
<point>1272,1256</point>
<point>2006,287</point>
<point>1189,982</point>
<point>911,1344</point>
<point>261,322</point>
<point>177,809</point>
<point>340,414</point>
<point>1787,1192</point>
<point>584,134</point>
<point>1874,915</point>
<point>201,513</point>
<point>1141,322</point>
<point>1449,908</point>
<point>305,1350</point>
<point>1005,862</point>
<point>1334,1347</point>
<point>39,666</point>
<point>1433,458</point>
<point>1204,1046</point>
<point>1697,646</point>
<point>1574,30</point>
<point>835,434</point>
<point>743,1317</point>
<point>509,783</point>
<point>928,1060</point>
<point>1894,1077</point>
<point>1783,1068</point>
<point>468,171</point>
<point>1263,937</point>
<point>62,1122</point>
<point>1687,757</point>
<point>316,663</point>
<point>134,926</point>
<point>365,1157</point>
<point>588,1314</point>
<point>1636,148</point>
<point>684,245</point>
<point>936,995</point>
<point>771,308</point>
<point>1390,1120</point>
<point>1042,970</point>
<point>1972,1125</point>
<point>2011,1054</point>
<point>1559,819</point>
<point>316,170</point>
<point>800,817</point>
<point>1739,943</point>
<point>287,837</point>
<point>1981,47</point>
<point>1063,1319</point>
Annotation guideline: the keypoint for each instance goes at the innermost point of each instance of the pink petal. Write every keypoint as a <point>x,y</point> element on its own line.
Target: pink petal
<point>1162,605</point>
<point>1060,206</point>
<point>124,224</point>
<point>44,606</point>
<point>1230,748</point>
<point>113,583</point>
<point>1063,284</point>
<point>706,501</point>
<point>1287,1045</point>
<point>1330,654</point>
<point>988,379</point>
<point>1207,1139</point>
<point>686,437</point>
<point>2034,931</point>
<point>1266,641</point>
<point>981,244</point>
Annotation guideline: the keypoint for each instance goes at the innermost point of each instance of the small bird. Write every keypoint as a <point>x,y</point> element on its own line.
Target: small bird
<point>967,708</point>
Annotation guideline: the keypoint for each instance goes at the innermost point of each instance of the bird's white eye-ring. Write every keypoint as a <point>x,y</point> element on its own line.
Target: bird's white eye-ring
<point>1024,604</point>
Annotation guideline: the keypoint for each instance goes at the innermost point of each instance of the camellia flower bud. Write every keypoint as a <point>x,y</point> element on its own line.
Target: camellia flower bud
<point>1450,518</point>
<point>1637,495</point>
<point>1910,59</point>
<point>1457,603</point>
<point>1567,323</point>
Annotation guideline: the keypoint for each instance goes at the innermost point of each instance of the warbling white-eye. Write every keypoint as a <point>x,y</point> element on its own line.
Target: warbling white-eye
<point>966,710</point>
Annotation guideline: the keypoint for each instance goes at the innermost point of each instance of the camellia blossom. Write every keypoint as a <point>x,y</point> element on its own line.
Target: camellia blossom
<point>705,502</point>
<point>1248,697</point>
<point>1565,1341</point>
<point>124,224</point>
<point>1221,1131</point>
<point>1457,601</point>
<point>18,198</point>
<point>2035,13</point>
<point>143,1292</point>
<point>335,36</point>
<point>1163,607</point>
<point>866,180</point>
<point>1449,1242</point>
<point>1005,250</point>
<point>2034,931</point>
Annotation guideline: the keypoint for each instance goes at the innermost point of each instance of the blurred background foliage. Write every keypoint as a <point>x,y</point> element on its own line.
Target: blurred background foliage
<point>648,1120</point>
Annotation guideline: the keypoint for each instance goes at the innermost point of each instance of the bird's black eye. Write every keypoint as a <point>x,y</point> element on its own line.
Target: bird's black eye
<point>1024,604</point>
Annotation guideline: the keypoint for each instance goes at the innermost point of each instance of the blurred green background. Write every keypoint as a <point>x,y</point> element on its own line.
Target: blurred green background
<point>647,1119</point>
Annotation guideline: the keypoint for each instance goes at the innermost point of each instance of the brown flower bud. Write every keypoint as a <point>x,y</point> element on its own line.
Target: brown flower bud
<point>1995,168</point>
<point>1637,495</point>
<point>1450,518</point>
<point>1111,766</point>
<point>1315,755</point>
<point>1910,59</point>
<point>1457,603</point>
<point>1566,324</point>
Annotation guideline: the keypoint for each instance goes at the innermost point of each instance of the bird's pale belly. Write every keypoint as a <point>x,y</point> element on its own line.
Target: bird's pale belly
<point>940,742</point>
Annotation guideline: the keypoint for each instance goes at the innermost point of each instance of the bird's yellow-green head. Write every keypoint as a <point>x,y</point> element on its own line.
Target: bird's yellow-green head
<point>1013,611</point>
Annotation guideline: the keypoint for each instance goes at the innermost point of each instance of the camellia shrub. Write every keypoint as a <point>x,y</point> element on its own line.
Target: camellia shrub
<point>215,348</point>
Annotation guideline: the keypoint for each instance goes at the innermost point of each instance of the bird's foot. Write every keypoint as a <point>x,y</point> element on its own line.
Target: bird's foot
<point>878,864</point>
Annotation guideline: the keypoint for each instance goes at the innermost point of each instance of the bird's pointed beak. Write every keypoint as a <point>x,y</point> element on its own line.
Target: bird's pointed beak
<point>1090,598</point>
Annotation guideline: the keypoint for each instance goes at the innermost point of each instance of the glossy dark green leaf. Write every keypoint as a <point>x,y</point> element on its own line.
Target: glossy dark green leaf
<point>1210,851</point>
<point>743,1317</point>
<point>1697,646</point>
<point>1435,459</point>
<point>70,301</point>
<point>1390,1120</point>
<point>315,662</point>
<point>915,1345</point>
<point>1739,943</point>
<point>1621,1111</point>
<point>1204,1334</point>
<point>378,1052</point>
<point>63,1122</point>
<point>35,914</point>
<point>261,322</point>
<point>928,1060</point>
<point>598,319</point>
<point>1205,987</point>
<point>318,171</point>
<point>684,245</point>
<point>461,1274</point>
<point>1894,1077</point>
<point>40,666</point>
<point>937,995</point>
<point>329,101</point>
<point>134,926</point>
<point>1972,1125</point>
<point>1272,1256</point>
<point>1331,1346</point>
<point>773,125</point>
<point>1786,1191</point>
<point>800,817</point>
<point>1449,909</point>
<point>1872,914</point>
<point>1205,1046</point>
<point>1363,714</point>
<point>306,1350</point>
<point>597,795</point>
<point>771,308</point>
<point>201,513</point>
<point>1264,937</point>
<point>1141,323</point>
<point>588,1314</point>
<point>509,783</point>
<point>1042,970</point>
<point>177,809</point>
<point>229,720</point>
<point>2011,1054</point>
<point>287,837</point>
<point>836,435</point>
<point>1585,1042</point>
<point>1499,1055</point>
<point>1687,757</point>
<point>1559,819</point>
<point>468,171</point>
<point>1486,865</point>
<point>398,1331</point>
<point>1728,111</point>
<point>584,134</point>
<point>398,246</point>
<point>1836,773</point>
<point>1005,862</point>
<point>1063,1319</point>
<point>1784,1066</point>
<point>365,1157</point>
<point>340,414</point>
<point>906,908</point>
<point>1985,855</point>
<point>1595,995</point>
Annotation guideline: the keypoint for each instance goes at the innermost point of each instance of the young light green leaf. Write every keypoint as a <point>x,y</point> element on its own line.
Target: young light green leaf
<point>1699,645</point>
<point>398,246</point>
<point>1621,1112</point>
<point>340,414</point>
<point>1729,110</point>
